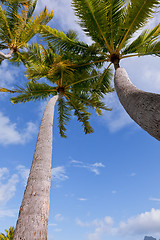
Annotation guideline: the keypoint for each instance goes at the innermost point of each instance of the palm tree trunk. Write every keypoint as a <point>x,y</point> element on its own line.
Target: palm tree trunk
<point>142,107</point>
<point>6,56</point>
<point>32,222</point>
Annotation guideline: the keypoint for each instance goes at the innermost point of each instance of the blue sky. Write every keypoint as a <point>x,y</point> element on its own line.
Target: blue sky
<point>104,185</point>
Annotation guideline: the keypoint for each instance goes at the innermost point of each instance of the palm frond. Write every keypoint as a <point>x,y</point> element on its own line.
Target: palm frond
<point>33,25</point>
<point>4,26</point>
<point>93,19</point>
<point>63,116</point>
<point>81,112</point>
<point>31,9</point>
<point>34,92</point>
<point>138,14</point>
<point>7,90</point>
<point>143,41</point>
<point>60,40</point>
<point>114,20</point>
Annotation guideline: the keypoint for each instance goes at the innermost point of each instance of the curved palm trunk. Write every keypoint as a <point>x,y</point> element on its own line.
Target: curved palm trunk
<point>32,222</point>
<point>6,56</point>
<point>142,107</point>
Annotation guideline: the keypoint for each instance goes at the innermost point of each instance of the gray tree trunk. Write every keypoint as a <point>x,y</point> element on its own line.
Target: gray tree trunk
<point>32,222</point>
<point>142,107</point>
<point>7,56</point>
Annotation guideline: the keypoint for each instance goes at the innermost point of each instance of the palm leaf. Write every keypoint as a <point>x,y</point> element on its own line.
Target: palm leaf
<point>143,41</point>
<point>138,14</point>
<point>81,112</point>
<point>93,16</point>
<point>34,92</point>
<point>4,26</point>
<point>63,116</point>
<point>33,26</point>
<point>60,40</point>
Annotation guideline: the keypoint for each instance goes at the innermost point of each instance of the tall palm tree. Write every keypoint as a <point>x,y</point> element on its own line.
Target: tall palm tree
<point>8,235</point>
<point>17,26</point>
<point>75,90</point>
<point>117,30</point>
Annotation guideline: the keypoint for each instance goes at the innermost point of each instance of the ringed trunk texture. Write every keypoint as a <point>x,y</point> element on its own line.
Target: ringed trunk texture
<point>142,107</point>
<point>32,222</point>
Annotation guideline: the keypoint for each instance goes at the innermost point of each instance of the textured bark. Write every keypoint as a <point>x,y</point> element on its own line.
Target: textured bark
<point>142,107</point>
<point>32,222</point>
<point>7,56</point>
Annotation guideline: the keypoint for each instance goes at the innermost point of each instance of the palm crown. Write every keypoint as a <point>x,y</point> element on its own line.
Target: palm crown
<point>79,88</point>
<point>17,26</point>
<point>9,234</point>
<point>112,24</point>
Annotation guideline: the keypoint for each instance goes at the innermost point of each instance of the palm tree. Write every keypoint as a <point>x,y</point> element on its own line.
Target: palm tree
<point>75,90</point>
<point>9,234</point>
<point>17,26</point>
<point>117,30</point>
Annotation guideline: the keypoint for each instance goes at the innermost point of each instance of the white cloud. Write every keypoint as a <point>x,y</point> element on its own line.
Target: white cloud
<point>64,18</point>
<point>7,188</point>
<point>8,75</point>
<point>24,172</point>
<point>59,174</point>
<point>82,199</point>
<point>9,133</point>
<point>8,213</point>
<point>147,223</point>
<point>117,118</point>
<point>3,173</point>
<point>154,199</point>
<point>102,227</point>
<point>57,230</point>
<point>91,167</point>
<point>59,217</point>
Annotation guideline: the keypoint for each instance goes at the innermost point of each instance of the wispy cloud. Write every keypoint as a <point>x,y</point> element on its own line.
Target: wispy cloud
<point>9,134</point>
<point>24,173</point>
<point>82,199</point>
<point>7,185</point>
<point>59,217</point>
<point>147,223</point>
<point>8,213</point>
<point>154,199</point>
<point>59,174</point>
<point>64,17</point>
<point>95,167</point>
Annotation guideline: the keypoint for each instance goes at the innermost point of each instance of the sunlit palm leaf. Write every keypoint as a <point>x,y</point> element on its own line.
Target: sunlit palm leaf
<point>137,15</point>
<point>60,40</point>
<point>34,91</point>
<point>93,16</point>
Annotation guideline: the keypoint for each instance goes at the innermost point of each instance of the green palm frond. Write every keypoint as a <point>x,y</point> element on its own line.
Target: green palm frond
<point>7,90</point>
<point>153,49</point>
<point>62,41</point>
<point>143,41</point>
<point>31,10</point>
<point>93,16</point>
<point>138,14</point>
<point>81,112</point>
<point>34,92</point>
<point>9,234</point>
<point>33,25</point>
<point>63,116</point>
<point>4,27</point>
